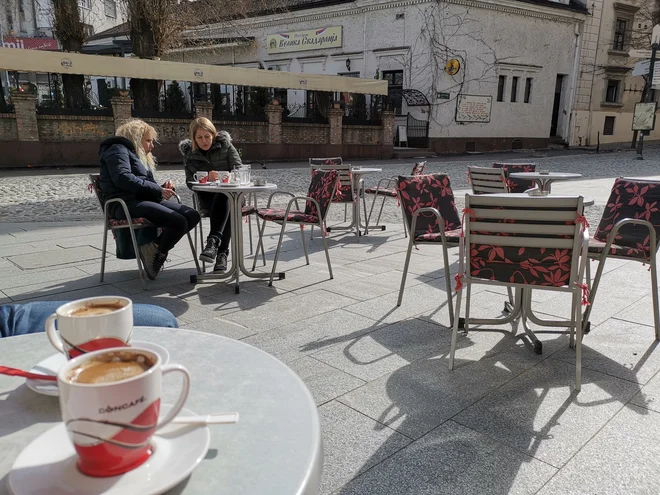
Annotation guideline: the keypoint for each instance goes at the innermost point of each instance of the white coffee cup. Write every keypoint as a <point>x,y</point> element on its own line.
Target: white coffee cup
<point>77,335</point>
<point>224,177</point>
<point>200,175</point>
<point>111,424</point>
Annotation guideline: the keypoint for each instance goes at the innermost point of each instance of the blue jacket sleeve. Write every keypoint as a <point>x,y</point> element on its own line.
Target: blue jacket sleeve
<point>119,167</point>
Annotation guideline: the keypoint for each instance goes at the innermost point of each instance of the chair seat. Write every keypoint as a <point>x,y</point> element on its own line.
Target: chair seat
<point>277,215</point>
<point>451,236</point>
<point>113,223</point>
<point>249,210</point>
<point>639,252</point>
<point>381,191</point>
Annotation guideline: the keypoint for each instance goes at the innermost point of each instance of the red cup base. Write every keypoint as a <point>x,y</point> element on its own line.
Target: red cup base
<point>94,470</point>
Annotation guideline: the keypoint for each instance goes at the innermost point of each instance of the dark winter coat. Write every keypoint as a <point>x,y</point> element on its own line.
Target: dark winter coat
<point>221,156</point>
<point>124,176</point>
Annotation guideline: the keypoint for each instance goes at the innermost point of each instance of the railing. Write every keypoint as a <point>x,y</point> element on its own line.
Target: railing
<point>361,109</point>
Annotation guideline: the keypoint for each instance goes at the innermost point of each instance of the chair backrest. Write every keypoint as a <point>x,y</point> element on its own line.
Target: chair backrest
<point>524,240</point>
<point>345,193</point>
<point>486,180</point>
<point>337,160</point>
<point>432,191</point>
<point>95,185</point>
<point>322,188</point>
<point>517,185</point>
<point>418,168</point>
<point>631,198</point>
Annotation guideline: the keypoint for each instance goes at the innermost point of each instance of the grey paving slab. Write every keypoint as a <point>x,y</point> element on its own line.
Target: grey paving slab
<point>352,443</point>
<point>621,458</point>
<point>23,278</point>
<point>539,414</point>
<point>450,460</point>
<point>649,396</point>
<point>325,382</point>
<point>191,312</point>
<point>44,289</point>
<point>289,310</point>
<point>386,349</point>
<point>376,285</point>
<point>619,348</point>
<point>56,257</point>
<point>640,312</point>
<point>71,295</point>
<point>175,273</point>
<point>302,338</point>
<point>216,326</point>
<point>223,299</point>
<point>25,248</point>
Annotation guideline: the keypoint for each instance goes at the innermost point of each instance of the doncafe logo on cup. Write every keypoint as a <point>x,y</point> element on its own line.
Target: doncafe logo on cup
<point>123,407</point>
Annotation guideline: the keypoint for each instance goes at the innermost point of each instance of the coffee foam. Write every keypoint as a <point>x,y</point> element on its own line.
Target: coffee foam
<point>111,367</point>
<point>97,308</point>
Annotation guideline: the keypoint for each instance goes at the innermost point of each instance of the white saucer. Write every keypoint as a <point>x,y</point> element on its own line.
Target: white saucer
<point>48,464</point>
<point>52,364</point>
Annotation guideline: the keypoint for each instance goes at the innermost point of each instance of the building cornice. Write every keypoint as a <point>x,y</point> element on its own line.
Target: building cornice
<point>504,6</point>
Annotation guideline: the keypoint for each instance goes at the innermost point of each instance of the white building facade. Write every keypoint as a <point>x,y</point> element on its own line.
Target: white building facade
<point>480,74</point>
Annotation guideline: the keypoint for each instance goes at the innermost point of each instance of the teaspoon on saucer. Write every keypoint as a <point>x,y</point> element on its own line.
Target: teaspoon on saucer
<point>209,419</point>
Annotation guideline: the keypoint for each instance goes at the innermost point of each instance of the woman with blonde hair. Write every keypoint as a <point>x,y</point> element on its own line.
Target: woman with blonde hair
<point>127,167</point>
<point>210,151</point>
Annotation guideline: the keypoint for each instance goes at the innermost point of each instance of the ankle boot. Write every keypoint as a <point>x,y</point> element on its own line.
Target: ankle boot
<point>211,250</point>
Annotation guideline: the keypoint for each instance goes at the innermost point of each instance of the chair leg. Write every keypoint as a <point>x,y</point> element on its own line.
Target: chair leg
<point>371,210</point>
<point>573,330</point>
<point>450,302</point>
<point>105,248</point>
<point>654,292</point>
<point>249,217</point>
<point>194,253</point>
<point>345,212</point>
<point>201,242</point>
<point>325,247</point>
<point>256,254</point>
<point>277,253</point>
<point>405,272</point>
<point>260,244</point>
<point>380,212</point>
<point>454,333</point>
<point>137,255</point>
<point>578,342</point>
<point>588,273</point>
<point>468,293</point>
<point>364,209</point>
<point>594,289</point>
<point>302,236</point>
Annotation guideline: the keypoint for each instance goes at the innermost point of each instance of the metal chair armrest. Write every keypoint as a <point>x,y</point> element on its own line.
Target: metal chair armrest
<point>634,221</point>
<point>584,255</point>
<point>441,221</point>
<point>275,193</point>
<point>123,206</point>
<point>295,199</point>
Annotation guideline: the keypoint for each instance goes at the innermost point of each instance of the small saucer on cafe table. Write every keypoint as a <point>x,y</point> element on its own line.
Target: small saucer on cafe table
<point>48,464</point>
<point>51,365</point>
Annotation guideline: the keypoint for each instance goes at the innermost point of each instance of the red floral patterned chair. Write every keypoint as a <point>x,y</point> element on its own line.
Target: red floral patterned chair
<point>524,242</point>
<point>629,230</point>
<point>431,217</point>
<point>386,188</point>
<point>322,188</point>
<point>517,185</point>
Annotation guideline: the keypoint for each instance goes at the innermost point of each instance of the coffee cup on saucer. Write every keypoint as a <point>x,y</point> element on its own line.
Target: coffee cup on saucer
<point>224,177</point>
<point>110,403</point>
<point>201,177</point>
<point>91,324</point>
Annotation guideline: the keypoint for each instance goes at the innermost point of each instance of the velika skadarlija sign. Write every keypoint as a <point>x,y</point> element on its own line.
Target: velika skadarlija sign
<point>310,39</point>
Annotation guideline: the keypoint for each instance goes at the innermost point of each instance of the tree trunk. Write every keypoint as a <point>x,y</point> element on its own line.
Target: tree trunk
<point>73,86</point>
<point>143,41</point>
<point>70,32</point>
<point>145,94</point>
<point>3,102</point>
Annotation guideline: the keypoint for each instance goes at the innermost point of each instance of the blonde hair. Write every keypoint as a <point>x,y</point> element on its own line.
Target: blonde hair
<point>134,130</point>
<point>204,124</point>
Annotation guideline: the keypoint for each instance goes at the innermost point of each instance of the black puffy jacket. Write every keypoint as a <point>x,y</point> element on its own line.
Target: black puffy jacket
<point>123,175</point>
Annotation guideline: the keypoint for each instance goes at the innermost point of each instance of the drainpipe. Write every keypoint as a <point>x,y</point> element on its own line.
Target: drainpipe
<point>570,126</point>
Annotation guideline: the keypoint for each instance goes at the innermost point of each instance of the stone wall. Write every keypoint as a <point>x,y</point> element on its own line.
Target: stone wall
<point>8,127</point>
<point>75,128</point>
<point>305,133</point>
<point>245,132</point>
<point>362,134</point>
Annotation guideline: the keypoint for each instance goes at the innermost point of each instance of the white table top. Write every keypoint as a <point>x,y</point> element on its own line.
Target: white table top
<point>274,449</point>
<point>549,175</point>
<point>366,170</point>
<point>225,188</point>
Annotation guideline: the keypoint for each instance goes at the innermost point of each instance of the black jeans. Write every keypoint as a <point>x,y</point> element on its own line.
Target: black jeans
<point>173,218</point>
<point>217,204</point>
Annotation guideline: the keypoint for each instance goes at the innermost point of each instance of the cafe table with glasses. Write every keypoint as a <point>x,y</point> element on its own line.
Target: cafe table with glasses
<point>275,447</point>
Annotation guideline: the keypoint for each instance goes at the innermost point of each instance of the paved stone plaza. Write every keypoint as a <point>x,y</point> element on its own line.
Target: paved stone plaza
<point>394,419</point>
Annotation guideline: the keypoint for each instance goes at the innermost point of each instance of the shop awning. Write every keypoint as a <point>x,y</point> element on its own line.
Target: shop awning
<point>97,65</point>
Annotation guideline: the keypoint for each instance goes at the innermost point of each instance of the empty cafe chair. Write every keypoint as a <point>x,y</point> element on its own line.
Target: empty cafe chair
<point>484,180</point>
<point>517,185</point>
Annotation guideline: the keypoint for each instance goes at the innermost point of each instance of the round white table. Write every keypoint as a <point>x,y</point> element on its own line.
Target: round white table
<point>235,195</point>
<point>545,179</point>
<point>274,449</point>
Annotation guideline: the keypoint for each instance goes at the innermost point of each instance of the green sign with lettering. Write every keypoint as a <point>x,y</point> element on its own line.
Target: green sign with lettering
<point>442,96</point>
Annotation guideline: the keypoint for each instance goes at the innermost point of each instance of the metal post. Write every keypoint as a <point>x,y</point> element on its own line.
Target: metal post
<point>647,99</point>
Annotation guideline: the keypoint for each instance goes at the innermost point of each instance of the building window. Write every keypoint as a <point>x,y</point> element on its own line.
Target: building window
<point>111,8</point>
<point>394,80</point>
<point>501,85</point>
<point>514,89</point>
<point>612,93</point>
<point>608,128</point>
<point>88,29</point>
<point>620,29</point>
<point>85,4</point>
<point>528,90</point>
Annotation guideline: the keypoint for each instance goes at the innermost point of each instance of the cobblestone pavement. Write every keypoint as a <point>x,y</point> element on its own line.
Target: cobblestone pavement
<point>56,196</point>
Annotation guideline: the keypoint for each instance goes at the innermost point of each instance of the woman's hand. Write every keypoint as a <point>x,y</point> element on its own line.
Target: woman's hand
<point>213,176</point>
<point>168,193</point>
<point>168,185</point>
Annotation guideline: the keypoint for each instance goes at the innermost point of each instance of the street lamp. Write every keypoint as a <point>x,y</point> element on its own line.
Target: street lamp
<point>655,44</point>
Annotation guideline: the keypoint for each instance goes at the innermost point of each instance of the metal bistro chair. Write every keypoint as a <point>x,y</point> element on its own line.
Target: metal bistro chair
<point>322,188</point>
<point>347,191</point>
<point>248,210</point>
<point>524,243</point>
<point>628,230</point>
<point>430,213</point>
<point>132,224</point>
<point>387,188</point>
<point>517,185</point>
<point>484,180</point>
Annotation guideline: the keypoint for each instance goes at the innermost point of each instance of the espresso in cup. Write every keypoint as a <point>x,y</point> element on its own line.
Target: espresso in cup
<point>109,368</point>
<point>91,324</point>
<point>110,404</point>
